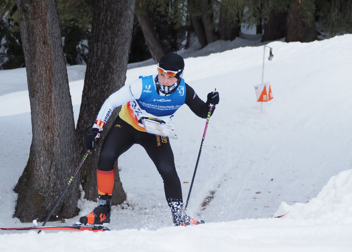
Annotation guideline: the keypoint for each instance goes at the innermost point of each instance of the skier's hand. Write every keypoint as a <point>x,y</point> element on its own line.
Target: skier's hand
<point>213,98</point>
<point>93,138</point>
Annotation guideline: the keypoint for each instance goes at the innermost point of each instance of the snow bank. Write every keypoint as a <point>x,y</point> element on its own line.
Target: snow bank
<point>332,205</point>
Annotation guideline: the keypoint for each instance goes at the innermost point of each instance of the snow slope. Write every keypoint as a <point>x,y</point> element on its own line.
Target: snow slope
<point>294,156</point>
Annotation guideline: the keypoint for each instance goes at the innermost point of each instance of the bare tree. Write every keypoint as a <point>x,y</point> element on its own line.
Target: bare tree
<point>106,72</point>
<point>52,154</point>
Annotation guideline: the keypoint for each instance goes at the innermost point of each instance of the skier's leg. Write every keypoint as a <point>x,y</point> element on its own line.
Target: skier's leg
<point>117,141</point>
<point>159,150</point>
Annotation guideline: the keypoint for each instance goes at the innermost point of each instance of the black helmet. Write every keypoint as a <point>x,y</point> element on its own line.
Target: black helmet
<point>173,62</point>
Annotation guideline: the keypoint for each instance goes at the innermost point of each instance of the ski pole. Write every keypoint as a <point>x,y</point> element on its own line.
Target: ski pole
<point>200,150</point>
<point>67,186</point>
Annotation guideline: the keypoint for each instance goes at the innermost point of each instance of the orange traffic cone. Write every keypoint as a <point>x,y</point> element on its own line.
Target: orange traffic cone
<point>263,96</point>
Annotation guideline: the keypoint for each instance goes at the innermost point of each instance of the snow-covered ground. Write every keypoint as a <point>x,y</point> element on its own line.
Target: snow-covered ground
<point>295,155</point>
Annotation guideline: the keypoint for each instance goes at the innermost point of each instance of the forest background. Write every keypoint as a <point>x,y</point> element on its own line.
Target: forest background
<point>45,36</point>
<point>163,26</point>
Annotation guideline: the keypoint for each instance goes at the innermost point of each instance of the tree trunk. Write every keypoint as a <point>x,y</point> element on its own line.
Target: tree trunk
<point>106,72</point>
<point>276,26</point>
<point>259,28</point>
<point>299,28</point>
<point>52,155</point>
<point>150,36</point>
<point>259,25</point>
<point>228,30</point>
<point>207,22</point>
<point>188,36</point>
<point>199,30</point>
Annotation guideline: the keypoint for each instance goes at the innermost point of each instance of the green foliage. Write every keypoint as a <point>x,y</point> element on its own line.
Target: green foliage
<point>8,10</point>
<point>75,24</point>
<point>170,34</point>
<point>169,19</point>
<point>254,12</point>
<point>335,15</point>
<point>11,52</point>
<point>232,10</point>
<point>308,7</point>
<point>278,5</point>
<point>5,7</point>
<point>79,12</point>
<point>176,10</point>
<point>139,50</point>
<point>75,43</point>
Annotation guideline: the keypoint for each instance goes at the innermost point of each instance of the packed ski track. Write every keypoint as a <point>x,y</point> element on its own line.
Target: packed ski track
<point>293,154</point>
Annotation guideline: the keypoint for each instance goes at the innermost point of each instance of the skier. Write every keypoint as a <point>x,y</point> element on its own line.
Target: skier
<point>146,101</point>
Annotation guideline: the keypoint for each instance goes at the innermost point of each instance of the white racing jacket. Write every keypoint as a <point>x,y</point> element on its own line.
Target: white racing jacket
<point>141,100</point>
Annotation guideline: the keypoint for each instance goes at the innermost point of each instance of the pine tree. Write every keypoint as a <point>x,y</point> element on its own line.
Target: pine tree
<point>75,23</point>
<point>335,16</point>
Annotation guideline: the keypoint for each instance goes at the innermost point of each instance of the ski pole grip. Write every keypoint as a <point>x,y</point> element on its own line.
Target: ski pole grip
<point>211,103</point>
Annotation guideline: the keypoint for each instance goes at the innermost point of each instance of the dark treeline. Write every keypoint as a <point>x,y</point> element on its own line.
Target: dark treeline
<point>162,26</point>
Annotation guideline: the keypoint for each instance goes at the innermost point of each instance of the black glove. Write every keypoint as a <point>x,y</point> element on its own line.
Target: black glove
<point>93,138</point>
<point>213,98</point>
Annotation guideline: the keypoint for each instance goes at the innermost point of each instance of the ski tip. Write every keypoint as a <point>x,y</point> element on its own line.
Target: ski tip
<point>92,227</point>
<point>280,216</point>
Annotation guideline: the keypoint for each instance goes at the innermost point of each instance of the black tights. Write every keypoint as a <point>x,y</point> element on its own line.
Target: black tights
<point>122,136</point>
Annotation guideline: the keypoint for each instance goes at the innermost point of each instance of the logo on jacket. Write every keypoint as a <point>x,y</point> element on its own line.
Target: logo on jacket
<point>162,100</point>
<point>130,90</point>
<point>181,90</point>
<point>107,115</point>
<point>147,89</point>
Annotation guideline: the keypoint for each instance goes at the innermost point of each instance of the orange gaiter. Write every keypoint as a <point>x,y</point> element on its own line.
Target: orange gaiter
<point>105,181</point>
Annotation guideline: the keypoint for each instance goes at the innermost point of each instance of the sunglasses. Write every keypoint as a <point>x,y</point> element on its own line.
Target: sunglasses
<point>168,73</point>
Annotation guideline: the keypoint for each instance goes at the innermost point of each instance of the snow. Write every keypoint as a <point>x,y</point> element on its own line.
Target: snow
<point>295,156</point>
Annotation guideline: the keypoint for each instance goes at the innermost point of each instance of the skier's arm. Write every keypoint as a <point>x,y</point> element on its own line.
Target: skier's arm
<point>125,94</point>
<point>199,107</point>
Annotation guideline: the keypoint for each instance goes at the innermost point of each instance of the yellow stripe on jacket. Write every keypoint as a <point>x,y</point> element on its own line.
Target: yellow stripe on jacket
<point>128,116</point>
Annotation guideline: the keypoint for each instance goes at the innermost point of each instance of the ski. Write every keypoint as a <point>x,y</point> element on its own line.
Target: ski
<point>60,228</point>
